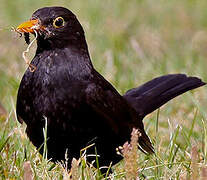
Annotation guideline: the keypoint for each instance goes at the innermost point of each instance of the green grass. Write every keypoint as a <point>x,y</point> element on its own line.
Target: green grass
<point>130,43</point>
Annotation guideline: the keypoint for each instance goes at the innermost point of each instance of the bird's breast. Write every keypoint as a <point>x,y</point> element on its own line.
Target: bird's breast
<point>55,90</point>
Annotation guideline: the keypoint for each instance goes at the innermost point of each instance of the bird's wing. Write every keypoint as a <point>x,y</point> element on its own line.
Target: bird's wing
<point>118,114</point>
<point>103,98</point>
<point>108,104</point>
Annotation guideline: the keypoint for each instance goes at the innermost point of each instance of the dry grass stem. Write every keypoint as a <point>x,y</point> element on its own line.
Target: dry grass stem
<point>74,169</point>
<point>130,155</point>
<point>28,174</point>
<point>32,68</point>
<point>194,165</point>
<point>3,111</point>
<point>203,173</point>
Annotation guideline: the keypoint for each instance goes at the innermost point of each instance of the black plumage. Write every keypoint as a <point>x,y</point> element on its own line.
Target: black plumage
<point>80,106</point>
<point>27,38</point>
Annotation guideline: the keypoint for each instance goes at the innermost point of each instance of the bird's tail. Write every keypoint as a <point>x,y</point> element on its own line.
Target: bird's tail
<point>153,94</point>
<point>157,92</point>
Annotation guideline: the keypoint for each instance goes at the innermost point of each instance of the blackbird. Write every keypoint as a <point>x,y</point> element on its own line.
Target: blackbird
<point>80,106</point>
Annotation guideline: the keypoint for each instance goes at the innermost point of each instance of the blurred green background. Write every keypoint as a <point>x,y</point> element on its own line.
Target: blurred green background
<point>130,42</point>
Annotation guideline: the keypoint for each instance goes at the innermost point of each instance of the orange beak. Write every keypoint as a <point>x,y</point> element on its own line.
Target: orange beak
<point>29,26</point>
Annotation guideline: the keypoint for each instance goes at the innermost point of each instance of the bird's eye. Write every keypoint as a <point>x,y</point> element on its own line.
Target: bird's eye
<point>58,22</point>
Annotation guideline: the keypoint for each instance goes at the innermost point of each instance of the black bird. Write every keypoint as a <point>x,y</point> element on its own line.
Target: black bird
<point>80,106</point>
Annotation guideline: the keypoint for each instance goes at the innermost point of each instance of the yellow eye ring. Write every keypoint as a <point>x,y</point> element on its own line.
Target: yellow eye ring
<point>58,22</point>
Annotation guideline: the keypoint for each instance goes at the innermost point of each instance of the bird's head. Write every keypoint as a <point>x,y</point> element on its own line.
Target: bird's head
<point>55,27</point>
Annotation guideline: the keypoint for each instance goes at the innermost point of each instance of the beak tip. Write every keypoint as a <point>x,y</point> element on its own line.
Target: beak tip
<point>27,27</point>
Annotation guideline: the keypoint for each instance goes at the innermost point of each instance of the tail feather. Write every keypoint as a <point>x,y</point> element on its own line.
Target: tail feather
<point>158,91</point>
<point>154,94</point>
<point>145,144</point>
